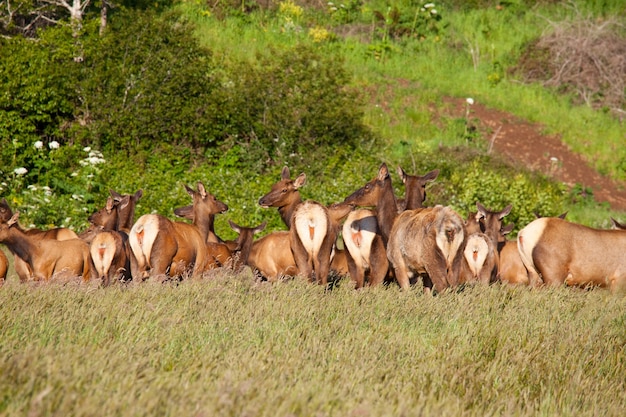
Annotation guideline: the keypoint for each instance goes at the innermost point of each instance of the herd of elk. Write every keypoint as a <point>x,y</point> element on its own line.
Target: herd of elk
<point>384,239</point>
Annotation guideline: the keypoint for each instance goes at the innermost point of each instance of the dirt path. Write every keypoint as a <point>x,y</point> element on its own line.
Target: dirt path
<point>523,143</point>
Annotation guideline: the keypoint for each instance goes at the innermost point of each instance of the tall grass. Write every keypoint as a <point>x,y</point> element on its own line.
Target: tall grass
<point>230,346</point>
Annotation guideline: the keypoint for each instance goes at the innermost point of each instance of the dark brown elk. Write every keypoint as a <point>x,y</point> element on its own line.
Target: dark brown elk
<point>126,205</point>
<point>46,258</point>
<point>163,248</point>
<point>415,186</point>
<point>556,251</point>
<point>59,233</point>
<point>430,241</point>
<point>284,195</point>
<point>366,255</point>
<point>4,267</point>
<point>378,193</point>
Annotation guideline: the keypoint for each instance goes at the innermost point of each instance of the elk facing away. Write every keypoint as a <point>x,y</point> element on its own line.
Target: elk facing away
<point>4,267</point>
<point>165,248</point>
<point>427,240</point>
<point>556,251</point>
<point>46,258</point>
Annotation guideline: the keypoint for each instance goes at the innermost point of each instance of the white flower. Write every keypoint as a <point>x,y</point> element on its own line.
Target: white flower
<point>87,149</point>
<point>54,145</point>
<point>32,187</point>
<point>554,159</point>
<point>433,11</point>
<point>38,144</point>
<point>75,174</point>
<point>429,5</point>
<point>20,171</point>
<point>469,101</point>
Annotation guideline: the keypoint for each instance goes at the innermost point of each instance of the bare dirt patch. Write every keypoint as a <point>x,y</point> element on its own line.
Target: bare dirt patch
<point>523,143</point>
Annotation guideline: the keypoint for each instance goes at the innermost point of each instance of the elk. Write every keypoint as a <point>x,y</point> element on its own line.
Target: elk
<point>4,267</point>
<point>242,245</point>
<point>271,256</point>
<point>366,255</point>
<point>430,241</point>
<point>378,193</point>
<point>415,186</point>
<point>311,235</point>
<point>284,195</point>
<point>336,213</point>
<point>163,248</point>
<point>556,251</point>
<point>60,233</point>
<point>484,233</point>
<point>125,209</point>
<point>110,257</point>
<point>46,258</point>
<point>511,269</point>
<point>104,219</point>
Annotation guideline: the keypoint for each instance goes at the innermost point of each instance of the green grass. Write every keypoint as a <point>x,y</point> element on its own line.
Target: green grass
<point>229,346</point>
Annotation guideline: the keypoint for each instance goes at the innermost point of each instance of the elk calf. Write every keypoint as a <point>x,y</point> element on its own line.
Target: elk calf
<point>556,251</point>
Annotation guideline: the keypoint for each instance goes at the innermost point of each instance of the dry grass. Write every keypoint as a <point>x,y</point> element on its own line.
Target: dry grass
<point>231,346</point>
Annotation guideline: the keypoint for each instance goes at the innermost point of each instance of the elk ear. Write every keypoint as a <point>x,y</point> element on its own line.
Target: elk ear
<point>481,210</point>
<point>260,227</point>
<point>201,190</point>
<point>401,174</point>
<point>507,229</point>
<point>110,204</point>
<point>116,196</point>
<point>285,175</point>
<point>138,195</point>
<point>383,172</point>
<point>300,181</point>
<point>563,215</point>
<point>123,202</point>
<point>505,211</point>
<point>13,220</point>
<point>431,176</point>
<point>190,191</point>
<point>234,226</point>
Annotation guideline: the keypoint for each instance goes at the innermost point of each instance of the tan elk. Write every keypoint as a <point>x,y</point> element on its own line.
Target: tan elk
<point>110,257</point>
<point>427,241</point>
<point>22,269</point>
<point>311,234</point>
<point>163,248</point>
<point>556,251</point>
<point>46,258</point>
<point>511,269</point>
<point>242,245</point>
<point>126,204</point>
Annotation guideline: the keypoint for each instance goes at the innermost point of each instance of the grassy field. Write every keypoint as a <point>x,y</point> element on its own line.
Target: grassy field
<point>232,347</point>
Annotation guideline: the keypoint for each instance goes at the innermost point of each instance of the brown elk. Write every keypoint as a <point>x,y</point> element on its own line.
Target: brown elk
<point>556,251</point>
<point>271,256</point>
<point>110,257</point>
<point>378,193</point>
<point>336,213</point>
<point>4,267</point>
<point>311,234</point>
<point>415,186</point>
<point>242,245</point>
<point>59,233</point>
<point>46,258</point>
<point>429,241</point>
<point>163,248</point>
<point>511,269</point>
<point>366,255</point>
<point>484,235</point>
<point>284,195</point>
<point>104,219</point>
<point>126,204</point>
